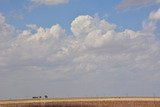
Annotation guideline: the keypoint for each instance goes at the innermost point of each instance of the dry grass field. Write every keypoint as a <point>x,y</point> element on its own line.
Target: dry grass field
<point>84,102</point>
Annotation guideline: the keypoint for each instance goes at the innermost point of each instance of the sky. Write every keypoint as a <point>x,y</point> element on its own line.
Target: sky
<point>79,48</point>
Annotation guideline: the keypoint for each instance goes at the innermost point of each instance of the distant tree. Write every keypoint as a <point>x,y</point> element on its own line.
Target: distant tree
<point>46,96</point>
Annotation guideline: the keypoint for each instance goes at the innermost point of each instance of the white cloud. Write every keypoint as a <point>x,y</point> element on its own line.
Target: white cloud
<point>94,59</point>
<point>155,15</point>
<point>5,29</point>
<point>151,23</point>
<point>43,34</point>
<point>84,25</point>
<point>158,1</point>
<point>49,2</point>
<point>130,3</point>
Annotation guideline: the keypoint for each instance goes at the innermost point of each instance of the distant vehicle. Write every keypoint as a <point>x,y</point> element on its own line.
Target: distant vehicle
<point>45,96</point>
<point>36,97</point>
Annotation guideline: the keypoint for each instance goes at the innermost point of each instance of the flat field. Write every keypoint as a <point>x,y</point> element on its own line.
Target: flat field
<point>84,102</point>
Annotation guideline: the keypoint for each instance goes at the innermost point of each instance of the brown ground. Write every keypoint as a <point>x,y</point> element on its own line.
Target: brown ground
<point>84,102</point>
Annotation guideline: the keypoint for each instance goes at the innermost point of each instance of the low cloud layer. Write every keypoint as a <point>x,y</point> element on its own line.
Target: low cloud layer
<point>132,3</point>
<point>95,59</point>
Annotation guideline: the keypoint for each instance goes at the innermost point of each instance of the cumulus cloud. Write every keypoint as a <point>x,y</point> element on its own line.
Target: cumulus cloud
<point>6,30</point>
<point>83,25</point>
<point>132,3</point>
<point>94,59</point>
<point>155,15</point>
<point>151,23</point>
<point>49,2</point>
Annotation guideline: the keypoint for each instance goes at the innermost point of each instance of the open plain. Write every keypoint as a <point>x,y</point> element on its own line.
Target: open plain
<point>84,102</point>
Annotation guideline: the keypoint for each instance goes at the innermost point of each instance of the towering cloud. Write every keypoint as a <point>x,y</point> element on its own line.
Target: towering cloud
<point>83,25</point>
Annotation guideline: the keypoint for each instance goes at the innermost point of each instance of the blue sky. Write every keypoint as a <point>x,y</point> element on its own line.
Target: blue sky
<point>79,48</point>
<point>63,14</point>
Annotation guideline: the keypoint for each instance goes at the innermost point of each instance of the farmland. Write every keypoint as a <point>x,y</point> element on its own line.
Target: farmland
<point>84,102</point>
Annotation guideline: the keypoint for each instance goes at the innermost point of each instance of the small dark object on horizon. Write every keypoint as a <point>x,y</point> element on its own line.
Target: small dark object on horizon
<point>37,97</point>
<point>46,96</point>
